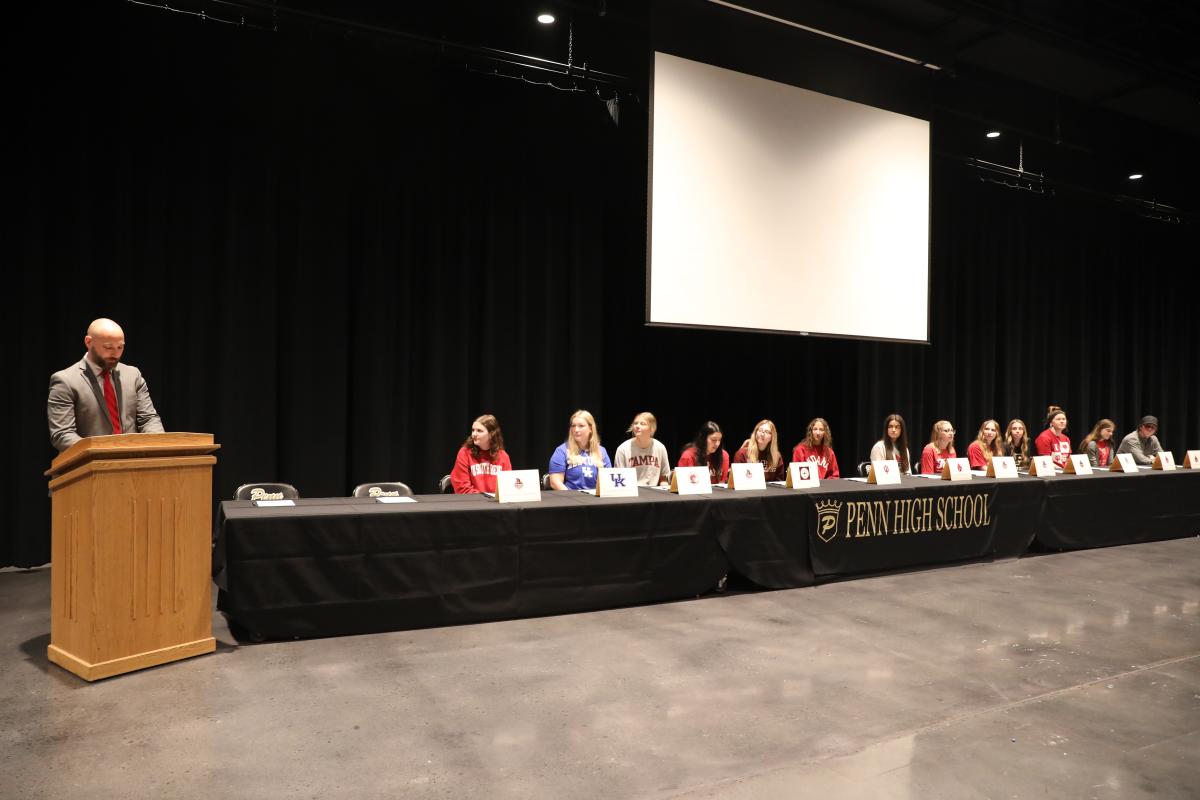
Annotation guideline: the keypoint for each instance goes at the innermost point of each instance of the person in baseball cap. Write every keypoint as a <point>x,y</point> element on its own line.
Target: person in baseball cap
<point>1142,444</point>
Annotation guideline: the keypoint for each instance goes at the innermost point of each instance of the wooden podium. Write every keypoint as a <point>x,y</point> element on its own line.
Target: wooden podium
<point>131,552</point>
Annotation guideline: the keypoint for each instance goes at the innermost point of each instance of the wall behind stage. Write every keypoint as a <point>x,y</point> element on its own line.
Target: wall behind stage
<point>334,253</point>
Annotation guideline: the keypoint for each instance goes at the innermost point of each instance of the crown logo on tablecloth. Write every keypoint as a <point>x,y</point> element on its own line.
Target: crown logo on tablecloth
<point>828,512</point>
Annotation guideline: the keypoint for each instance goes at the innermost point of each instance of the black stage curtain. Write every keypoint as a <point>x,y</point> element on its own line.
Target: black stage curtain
<point>334,253</point>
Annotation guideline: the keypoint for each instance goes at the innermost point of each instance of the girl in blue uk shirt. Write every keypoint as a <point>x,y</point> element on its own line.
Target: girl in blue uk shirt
<point>575,461</point>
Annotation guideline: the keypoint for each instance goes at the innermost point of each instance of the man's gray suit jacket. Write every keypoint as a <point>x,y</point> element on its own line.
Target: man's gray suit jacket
<point>76,406</point>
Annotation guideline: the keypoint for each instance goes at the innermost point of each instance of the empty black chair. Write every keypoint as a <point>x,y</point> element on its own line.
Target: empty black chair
<point>444,485</point>
<point>382,489</point>
<point>266,491</point>
<point>864,467</point>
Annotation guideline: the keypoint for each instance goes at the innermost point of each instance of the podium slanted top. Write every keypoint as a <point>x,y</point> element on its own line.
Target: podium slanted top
<point>131,445</point>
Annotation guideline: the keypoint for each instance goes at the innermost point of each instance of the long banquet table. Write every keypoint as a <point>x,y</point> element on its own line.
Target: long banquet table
<point>331,566</point>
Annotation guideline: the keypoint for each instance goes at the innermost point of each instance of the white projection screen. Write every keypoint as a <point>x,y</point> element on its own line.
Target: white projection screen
<point>775,208</point>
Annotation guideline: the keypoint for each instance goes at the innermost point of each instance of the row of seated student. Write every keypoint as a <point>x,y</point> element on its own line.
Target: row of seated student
<point>575,462</point>
<point>1098,445</point>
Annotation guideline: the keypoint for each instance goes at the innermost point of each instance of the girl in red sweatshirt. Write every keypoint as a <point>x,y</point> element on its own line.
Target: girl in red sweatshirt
<point>817,447</point>
<point>986,446</point>
<point>706,451</point>
<point>1052,441</point>
<point>940,447</point>
<point>480,458</point>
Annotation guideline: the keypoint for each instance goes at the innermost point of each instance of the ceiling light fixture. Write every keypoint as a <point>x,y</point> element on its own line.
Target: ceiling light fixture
<point>1137,176</point>
<point>545,19</point>
<point>993,134</point>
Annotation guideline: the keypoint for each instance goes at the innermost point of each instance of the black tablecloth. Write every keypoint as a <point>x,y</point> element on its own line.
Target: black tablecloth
<point>855,528</point>
<point>347,565</point>
<point>1108,508</point>
<point>354,565</point>
<point>764,535</point>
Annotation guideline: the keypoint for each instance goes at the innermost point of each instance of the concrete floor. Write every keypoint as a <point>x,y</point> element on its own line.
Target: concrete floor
<point>1074,675</point>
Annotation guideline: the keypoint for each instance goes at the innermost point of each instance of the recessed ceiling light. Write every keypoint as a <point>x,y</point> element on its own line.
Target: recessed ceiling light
<point>545,19</point>
<point>1137,176</point>
<point>993,134</point>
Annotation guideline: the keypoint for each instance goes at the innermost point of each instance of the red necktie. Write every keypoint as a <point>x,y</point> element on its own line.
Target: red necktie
<point>110,400</point>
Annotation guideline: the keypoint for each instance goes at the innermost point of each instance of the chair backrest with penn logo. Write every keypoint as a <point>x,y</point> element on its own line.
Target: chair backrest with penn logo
<point>266,491</point>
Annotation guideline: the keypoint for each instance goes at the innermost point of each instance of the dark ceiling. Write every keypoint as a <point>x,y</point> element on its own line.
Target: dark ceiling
<point>1138,59</point>
<point>1093,89</point>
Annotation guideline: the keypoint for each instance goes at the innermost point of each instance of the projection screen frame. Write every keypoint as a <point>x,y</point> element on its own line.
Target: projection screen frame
<point>771,331</point>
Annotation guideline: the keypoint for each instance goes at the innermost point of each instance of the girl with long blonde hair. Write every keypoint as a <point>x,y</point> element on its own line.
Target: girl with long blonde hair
<point>575,462</point>
<point>763,446</point>
<point>987,445</point>
<point>940,447</point>
<point>644,453</point>
<point>1016,442</point>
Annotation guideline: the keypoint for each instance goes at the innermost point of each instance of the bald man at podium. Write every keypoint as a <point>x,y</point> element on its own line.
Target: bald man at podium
<point>99,396</point>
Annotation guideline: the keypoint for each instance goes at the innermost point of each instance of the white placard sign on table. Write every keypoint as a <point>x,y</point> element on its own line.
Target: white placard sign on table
<point>748,475</point>
<point>884,472</point>
<point>274,503</point>
<point>1078,464</point>
<point>691,480</point>
<point>803,475</point>
<point>1002,467</point>
<point>1164,461</point>
<point>1191,459</point>
<point>617,482</point>
<point>1041,466</point>
<point>518,486</point>
<point>956,469</point>
<point>1123,463</point>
